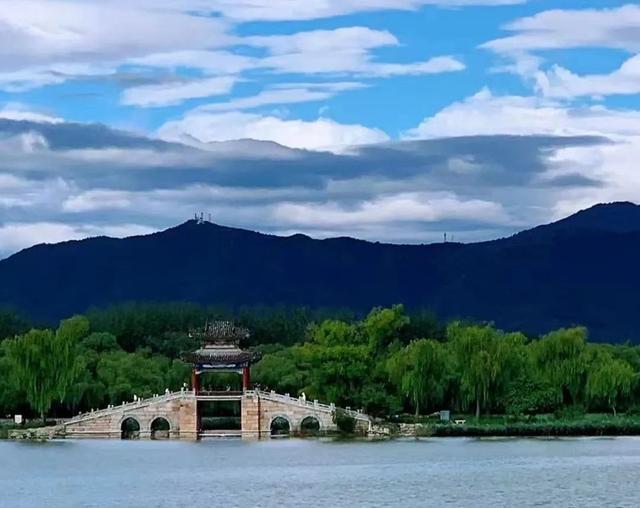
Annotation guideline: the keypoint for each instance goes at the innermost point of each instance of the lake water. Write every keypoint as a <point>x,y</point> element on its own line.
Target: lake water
<point>293,473</point>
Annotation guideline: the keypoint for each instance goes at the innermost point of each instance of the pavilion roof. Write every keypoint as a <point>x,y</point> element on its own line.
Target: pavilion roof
<point>221,333</point>
<point>221,355</point>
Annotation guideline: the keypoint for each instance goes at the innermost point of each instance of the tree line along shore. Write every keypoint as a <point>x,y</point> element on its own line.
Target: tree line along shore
<point>400,366</point>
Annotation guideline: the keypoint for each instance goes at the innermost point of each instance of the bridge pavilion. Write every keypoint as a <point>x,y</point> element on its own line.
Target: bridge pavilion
<point>220,352</point>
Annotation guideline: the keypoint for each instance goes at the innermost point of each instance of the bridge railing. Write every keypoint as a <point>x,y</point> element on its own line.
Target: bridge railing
<point>276,397</point>
<point>129,405</point>
<point>287,399</point>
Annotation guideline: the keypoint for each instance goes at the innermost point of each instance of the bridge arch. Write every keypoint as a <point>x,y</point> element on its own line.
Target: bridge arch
<point>130,428</point>
<point>310,425</point>
<point>160,428</point>
<point>280,425</point>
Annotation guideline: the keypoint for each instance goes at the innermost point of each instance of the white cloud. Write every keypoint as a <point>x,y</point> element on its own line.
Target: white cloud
<point>45,42</point>
<point>172,93</point>
<point>209,62</point>
<point>285,93</point>
<point>98,199</point>
<point>404,207</point>
<point>562,83</point>
<point>29,142</point>
<point>321,134</point>
<point>119,157</point>
<point>17,192</point>
<point>343,50</point>
<point>355,38</point>
<point>286,211</point>
<point>48,43</point>
<point>269,97</point>
<point>613,164</point>
<point>45,31</point>
<point>357,63</point>
<point>280,10</point>
<point>31,78</point>
<point>169,203</point>
<point>16,236</point>
<point>436,65</point>
<point>614,28</point>
<point>406,192</point>
<point>617,28</point>
<point>21,112</point>
<point>346,50</point>
<point>485,114</point>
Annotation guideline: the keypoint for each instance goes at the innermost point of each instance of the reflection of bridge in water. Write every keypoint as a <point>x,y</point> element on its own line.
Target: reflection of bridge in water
<point>174,415</point>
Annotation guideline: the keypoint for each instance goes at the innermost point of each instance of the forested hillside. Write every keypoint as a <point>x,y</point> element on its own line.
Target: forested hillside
<point>582,270</point>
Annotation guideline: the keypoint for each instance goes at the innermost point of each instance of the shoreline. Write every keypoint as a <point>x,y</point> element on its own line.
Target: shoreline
<point>590,425</point>
<point>490,426</point>
<point>419,433</point>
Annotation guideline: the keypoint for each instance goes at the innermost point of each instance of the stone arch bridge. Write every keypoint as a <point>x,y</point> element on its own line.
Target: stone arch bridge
<point>179,412</point>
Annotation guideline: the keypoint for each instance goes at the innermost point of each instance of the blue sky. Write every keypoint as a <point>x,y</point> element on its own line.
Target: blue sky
<point>401,101</point>
<point>213,83</point>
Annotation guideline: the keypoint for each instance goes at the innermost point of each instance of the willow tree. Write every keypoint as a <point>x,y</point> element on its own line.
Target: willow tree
<point>562,360</point>
<point>488,360</point>
<point>610,380</point>
<point>44,364</point>
<point>419,371</point>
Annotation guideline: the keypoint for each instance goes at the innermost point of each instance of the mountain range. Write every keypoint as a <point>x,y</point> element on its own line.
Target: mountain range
<point>582,270</point>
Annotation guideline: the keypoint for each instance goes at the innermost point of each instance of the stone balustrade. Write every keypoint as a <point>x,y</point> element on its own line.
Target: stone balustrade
<point>259,409</point>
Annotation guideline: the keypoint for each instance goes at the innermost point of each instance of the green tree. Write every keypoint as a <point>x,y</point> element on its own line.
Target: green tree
<point>610,380</point>
<point>530,397</point>
<point>10,394</point>
<point>332,332</point>
<point>419,371</point>
<point>141,373</point>
<point>336,374</point>
<point>100,342</point>
<point>384,325</point>
<point>88,391</point>
<point>45,364</point>
<point>487,360</point>
<point>281,371</point>
<point>562,361</point>
<point>11,324</point>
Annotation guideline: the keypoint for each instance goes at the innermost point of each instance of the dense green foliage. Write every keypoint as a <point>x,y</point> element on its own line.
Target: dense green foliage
<point>379,365</point>
<point>387,362</point>
<point>44,364</point>
<point>578,425</point>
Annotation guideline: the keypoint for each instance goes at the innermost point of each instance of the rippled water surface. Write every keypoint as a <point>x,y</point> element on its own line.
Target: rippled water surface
<point>294,473</point>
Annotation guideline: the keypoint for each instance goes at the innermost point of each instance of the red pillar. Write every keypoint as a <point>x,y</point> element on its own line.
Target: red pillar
<point>195,381</point>
<point>246,378</point>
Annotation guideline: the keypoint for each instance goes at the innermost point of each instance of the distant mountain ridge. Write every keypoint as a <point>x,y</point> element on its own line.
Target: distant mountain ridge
<point>579,270</point>
<point>620,217</point>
